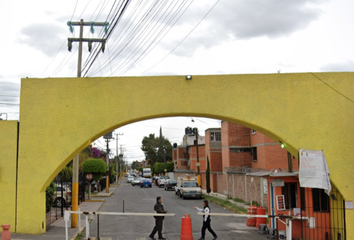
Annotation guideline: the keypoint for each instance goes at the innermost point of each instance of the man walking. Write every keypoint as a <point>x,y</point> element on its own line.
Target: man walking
<point>206,220</point>
<point>158,220</point>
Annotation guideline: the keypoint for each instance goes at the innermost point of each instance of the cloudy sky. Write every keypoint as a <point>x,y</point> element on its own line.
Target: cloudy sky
<point>171,38</point>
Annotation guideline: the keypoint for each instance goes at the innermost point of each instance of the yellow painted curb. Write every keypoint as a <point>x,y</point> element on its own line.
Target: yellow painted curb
<point>96,200</point>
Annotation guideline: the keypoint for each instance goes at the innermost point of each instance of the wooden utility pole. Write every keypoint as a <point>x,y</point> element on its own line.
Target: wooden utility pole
<point>75,183</point>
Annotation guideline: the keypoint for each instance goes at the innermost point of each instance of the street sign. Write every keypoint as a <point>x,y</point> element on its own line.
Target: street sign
<point>278,182</point>
<point>89,176</point>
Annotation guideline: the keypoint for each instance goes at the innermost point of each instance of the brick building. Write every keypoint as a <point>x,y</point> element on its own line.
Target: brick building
<point>233,151</point>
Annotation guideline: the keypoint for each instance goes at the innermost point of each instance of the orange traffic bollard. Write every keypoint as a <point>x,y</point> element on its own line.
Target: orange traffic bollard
<point>6,235</point>
<point>186,228</point>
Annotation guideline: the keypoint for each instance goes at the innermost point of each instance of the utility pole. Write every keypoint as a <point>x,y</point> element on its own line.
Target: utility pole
<point>195,130</point>
<point>164,159</point>
<point>121,154</point>
<point>117,156</point>
<point>75,183</point>
<point>107,137</point>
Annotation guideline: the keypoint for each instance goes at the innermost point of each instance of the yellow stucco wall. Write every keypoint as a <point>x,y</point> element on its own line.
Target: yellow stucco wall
<point>61,116</point>
<point>8,161</point>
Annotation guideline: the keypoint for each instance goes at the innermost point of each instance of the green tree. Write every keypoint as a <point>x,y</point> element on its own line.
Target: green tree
<point>135,164</point>
<point>95,166</point>
<point>154,147</point>
<point>49,194</point>
<point>170,167</point>
<point>158,168</point>
<point>207,176</point>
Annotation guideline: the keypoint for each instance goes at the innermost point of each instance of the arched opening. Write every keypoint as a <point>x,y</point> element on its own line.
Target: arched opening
<point>283,106</point>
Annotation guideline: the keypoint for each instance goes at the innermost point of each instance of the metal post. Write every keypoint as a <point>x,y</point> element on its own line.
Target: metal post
<point>198,164</point>
<point>117,158</point>
<point>98,226</point>
<point>79,217</point>
<point>164,159</point>
<point>62,197</point>
<point>75,192</point>
<point>87,227</point>
<point>107,161</point>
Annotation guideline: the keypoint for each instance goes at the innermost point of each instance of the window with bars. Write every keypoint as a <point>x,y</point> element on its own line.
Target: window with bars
<point>290,195</point>
<point>320,200</point>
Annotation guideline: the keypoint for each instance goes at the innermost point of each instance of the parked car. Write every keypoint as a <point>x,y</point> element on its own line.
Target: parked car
<point>187,187</point>
<point>171,184</point>
<point>155,179</point>
<point>58,199</point>
<point>146,182</point>
<point>136,181</point>
<point>162,181</point>
<point>130,179</point>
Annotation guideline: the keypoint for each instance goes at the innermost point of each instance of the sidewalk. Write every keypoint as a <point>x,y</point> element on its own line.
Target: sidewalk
<point>224,197</point>
<point>56,231</point>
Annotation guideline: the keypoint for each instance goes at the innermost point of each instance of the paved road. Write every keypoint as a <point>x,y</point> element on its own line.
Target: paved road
<point>138,199</point>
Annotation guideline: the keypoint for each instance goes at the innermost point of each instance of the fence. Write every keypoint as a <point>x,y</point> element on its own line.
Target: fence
<point>327,215</point>
<point>62,196</point>
<point>87,225</point>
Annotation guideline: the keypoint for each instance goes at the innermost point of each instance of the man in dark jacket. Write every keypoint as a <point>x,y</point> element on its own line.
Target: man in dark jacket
<point>158,220</point>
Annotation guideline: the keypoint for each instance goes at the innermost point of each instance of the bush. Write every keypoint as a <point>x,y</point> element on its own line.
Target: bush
<point>49,195</point>
<point>95,166</point>
<point>158,168</point>
<point>170,166</point>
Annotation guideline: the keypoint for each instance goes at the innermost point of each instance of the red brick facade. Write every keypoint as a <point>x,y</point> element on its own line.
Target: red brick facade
<point>234,150</point>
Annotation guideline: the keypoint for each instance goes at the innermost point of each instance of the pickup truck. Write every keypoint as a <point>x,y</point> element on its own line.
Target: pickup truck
<point>188,188</point>
<point>162,181</point>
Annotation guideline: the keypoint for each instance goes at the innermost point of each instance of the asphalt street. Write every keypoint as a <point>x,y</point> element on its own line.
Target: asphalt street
<point>142,200</point>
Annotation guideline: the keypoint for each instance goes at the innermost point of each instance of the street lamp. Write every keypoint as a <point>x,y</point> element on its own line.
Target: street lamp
<point>191,131</point>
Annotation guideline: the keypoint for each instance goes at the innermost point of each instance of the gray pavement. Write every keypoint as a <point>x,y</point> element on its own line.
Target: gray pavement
<point>136,199</point>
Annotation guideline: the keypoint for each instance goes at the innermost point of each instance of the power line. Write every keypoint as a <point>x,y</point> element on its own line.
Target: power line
<point>183,38</point>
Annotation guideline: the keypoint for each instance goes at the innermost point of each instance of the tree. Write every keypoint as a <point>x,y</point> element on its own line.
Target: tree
<point>154,147</point>
<point>207,176</point>
<point>135,164</point>
<point>158,168</point>
<point>49,193</point>
<point>170,166</point>
<point>95,166</point>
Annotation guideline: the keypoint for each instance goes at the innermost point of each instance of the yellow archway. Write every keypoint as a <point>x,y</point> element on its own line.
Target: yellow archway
<point>61,116</point>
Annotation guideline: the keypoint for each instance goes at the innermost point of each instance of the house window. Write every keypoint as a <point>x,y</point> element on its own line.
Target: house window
<point>254,153</point>
<point>303,198</point>
<point>290,194</point>
<point>320,200</point>
<point>215,136</point>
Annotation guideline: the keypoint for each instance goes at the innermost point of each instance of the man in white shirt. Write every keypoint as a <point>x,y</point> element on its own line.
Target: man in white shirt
<point>206,220</point>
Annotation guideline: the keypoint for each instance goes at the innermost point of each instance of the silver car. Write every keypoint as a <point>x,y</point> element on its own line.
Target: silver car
<point>130,179</point>
<point>136,181</point>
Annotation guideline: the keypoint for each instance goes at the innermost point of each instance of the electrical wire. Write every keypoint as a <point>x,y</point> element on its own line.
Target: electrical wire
<point>137,37</point>
<point>183,38</point>
<point>108,35</point>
